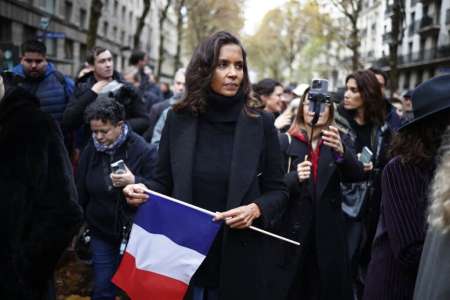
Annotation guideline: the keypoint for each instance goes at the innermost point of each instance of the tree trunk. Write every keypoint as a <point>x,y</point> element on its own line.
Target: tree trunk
<point>355,47</point>
<point>162,19</point>
<point>141,23</point>
<point>396,38</point>
<point>177,64</point>
<point>95,14</point>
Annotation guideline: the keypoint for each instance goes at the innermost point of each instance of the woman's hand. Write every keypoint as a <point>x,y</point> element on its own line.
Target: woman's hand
<point>121,180</point>
<point>283,120</point>
<point>368,166</point>
<point>304,170</point>
<point>240,217</point>
<point>332,139</point>
<point>135,194</point>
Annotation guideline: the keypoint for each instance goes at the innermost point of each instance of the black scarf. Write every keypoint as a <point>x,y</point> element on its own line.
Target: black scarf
<point>222,108</point>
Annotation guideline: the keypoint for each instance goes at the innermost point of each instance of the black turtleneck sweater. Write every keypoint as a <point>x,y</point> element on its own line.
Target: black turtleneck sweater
<point>211,171</point>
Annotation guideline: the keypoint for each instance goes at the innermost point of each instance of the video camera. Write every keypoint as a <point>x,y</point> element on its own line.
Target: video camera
<point>318,97</point>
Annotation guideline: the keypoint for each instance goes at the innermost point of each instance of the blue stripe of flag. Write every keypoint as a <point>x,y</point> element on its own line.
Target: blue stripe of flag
<point>183,225</point>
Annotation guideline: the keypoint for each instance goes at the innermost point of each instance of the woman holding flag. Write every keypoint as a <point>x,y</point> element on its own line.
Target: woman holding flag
<point>219,152</point>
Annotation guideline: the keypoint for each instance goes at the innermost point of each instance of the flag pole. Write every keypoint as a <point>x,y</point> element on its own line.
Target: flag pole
<point>213,214</point>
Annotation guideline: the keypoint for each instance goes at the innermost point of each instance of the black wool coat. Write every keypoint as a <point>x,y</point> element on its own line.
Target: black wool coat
<point>255,176</point>
<point>315,219</point>
<point>105,207</point>
<point>38,199</point>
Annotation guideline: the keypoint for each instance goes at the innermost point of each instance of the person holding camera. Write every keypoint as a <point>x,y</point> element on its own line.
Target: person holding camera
<point>317,159</point>
<point>114,157</point>
<point>363,115</point>
<point>103,80</point>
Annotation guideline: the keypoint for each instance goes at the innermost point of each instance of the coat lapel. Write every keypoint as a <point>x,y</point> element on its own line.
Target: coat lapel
<point>325,170</point>
<point>248,143</point>
<point>183,155</point>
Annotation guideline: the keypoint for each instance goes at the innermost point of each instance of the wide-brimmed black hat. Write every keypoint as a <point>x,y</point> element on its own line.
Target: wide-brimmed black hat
<point>429,98</point>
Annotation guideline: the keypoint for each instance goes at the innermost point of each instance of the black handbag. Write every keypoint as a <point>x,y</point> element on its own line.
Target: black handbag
<point>355,196</point>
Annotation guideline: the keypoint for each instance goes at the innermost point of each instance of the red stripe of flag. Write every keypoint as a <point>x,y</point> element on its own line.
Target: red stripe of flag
<point>146,285</point>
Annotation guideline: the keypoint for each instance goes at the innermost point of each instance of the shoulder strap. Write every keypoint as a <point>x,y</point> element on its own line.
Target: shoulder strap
<point>62,80</point>
<point>289,157</point>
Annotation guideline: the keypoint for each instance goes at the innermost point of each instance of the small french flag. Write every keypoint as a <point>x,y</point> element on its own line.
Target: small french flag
<point>168,242</point>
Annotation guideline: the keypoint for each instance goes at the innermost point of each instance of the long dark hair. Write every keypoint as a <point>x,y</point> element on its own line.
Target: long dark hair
<point>370,91</point>
<point>418,143</point>
<point>200,71</point>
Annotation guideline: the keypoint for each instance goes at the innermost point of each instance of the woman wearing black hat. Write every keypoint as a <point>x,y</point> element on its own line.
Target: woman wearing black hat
<point>405,182</point>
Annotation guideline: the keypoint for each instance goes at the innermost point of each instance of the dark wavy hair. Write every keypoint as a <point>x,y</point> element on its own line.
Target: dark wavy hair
<point>370,91</point>
<point>419,143</point>
<point>265,87</point>
<point>200,71</point>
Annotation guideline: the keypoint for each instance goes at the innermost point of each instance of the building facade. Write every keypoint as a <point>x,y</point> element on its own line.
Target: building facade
<point>424,49</point>
<point>68,20</point>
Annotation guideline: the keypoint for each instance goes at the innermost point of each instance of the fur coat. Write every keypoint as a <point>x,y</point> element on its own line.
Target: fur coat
<point>38,199</point>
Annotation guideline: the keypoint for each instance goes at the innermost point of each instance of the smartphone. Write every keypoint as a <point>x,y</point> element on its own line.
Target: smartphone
<point>366,155</point>
<point>118,167</point>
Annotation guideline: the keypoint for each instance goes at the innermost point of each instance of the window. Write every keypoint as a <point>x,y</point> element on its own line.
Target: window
<point>47,5</point>
<point>447,16</point>
<point>116,8</point>
<point>114,34</point>
<point>5,30</point>
<point>68,49</point>
<point>83,15</point>
<point>83,53</point>
<point>122,37</point>
<point>68,7</point>
<point>105,28</point>
<point>124,13</point>
<point>51,47</point>
<point>406,81</point>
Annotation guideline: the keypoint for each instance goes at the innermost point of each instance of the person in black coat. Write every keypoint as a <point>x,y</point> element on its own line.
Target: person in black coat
<point>314,167</point>
<point>99,186</point>
<point>366,117</point>
<point>38,199</point>
<point>219,153</point>
<point>103,80</point>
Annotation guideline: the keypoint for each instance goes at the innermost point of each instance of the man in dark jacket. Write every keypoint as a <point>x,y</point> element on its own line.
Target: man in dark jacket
<point>104,80</point>
<point>38,199</point>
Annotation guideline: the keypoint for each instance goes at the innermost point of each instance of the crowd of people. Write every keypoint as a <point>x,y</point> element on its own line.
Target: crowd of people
<point>355,181</point>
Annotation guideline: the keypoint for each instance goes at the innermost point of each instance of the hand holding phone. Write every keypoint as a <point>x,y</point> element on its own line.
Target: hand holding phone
<point>366,155</point>
<point>118,167</point>
<point>120,174</point>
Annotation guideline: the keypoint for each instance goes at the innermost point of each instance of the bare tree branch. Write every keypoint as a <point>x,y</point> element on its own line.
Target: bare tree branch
<point>141,23</point>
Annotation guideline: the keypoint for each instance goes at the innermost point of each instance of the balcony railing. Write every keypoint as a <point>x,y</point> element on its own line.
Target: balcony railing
<point>429,25</point>
<point>424,57</point>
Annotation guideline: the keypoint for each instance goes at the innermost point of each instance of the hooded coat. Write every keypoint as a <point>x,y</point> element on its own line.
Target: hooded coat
<point>38,199</point>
